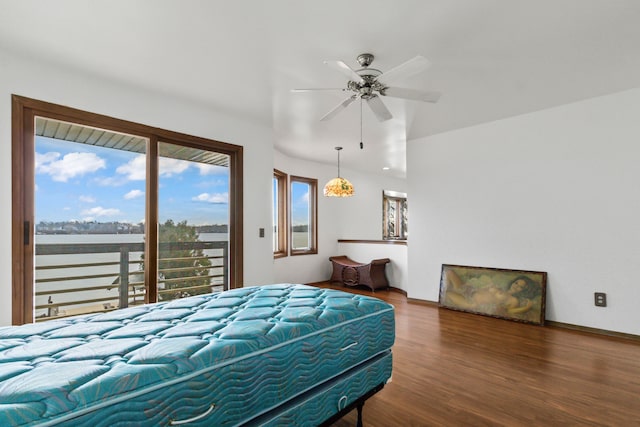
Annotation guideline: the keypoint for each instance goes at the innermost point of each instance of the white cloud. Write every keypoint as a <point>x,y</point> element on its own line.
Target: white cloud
<point>212,198</point>
<point>112,181</point>
<point>169,167</point>
<point>98,211</point>
<point>305,198</point>
<point>69,166</point>
<point>45,158</point>
<point>133,194</point>
<point>87,199</point>
<point>134,169</point>
<point>206,169</point>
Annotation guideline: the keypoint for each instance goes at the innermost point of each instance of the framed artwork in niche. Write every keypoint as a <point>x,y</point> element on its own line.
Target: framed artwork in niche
<point>497,292</point>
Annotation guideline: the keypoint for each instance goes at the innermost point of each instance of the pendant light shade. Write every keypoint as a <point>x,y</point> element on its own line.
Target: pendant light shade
<point>338,187</point>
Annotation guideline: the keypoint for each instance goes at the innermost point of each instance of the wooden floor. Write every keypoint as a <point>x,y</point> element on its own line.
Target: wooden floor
<point>459,369</point>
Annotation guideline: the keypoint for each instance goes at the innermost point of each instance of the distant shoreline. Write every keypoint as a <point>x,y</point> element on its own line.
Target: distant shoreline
<point>87,228</point>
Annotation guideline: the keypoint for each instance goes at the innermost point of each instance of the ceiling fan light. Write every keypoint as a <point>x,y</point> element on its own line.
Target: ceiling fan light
<point>338,187</point>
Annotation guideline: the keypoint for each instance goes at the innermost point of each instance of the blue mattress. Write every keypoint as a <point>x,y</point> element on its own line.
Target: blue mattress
<point>228,358</point>
<point>318,405</point>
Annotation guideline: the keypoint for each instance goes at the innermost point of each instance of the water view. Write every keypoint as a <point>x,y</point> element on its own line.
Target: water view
<point>98,275</point>
<point>90,206</point>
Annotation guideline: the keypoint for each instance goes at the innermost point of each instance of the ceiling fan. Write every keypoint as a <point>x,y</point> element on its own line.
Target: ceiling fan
<point>370,84</point>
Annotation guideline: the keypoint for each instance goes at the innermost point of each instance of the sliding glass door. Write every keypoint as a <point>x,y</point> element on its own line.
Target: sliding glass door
<point>89,220</point>
<point>193,212</point>
<point>109,214</point>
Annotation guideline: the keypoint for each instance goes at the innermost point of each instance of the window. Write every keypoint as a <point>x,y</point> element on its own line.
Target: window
<point>279,214</point>
<point>294,215</point>
<point>394,215</point>
<point>109,213</point>
<point>193,214</point>
<point>303,215</point>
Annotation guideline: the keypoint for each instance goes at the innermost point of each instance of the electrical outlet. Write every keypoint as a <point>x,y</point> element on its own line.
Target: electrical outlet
<point>600,299</point>
<point>261,232</point>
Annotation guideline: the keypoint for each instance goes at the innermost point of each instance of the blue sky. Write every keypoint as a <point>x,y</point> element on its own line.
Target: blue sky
<point>82,182</point>
<point>299,203</point>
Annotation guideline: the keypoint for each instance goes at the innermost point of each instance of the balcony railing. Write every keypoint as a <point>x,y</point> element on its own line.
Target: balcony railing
<point>67,288</point>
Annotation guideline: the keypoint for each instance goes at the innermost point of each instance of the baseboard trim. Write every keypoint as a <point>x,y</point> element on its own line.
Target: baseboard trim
<point>422,302</point>
<point>596,331</point>
<point>554,324</point>
<point>398,290</point>
<point>550,323</point>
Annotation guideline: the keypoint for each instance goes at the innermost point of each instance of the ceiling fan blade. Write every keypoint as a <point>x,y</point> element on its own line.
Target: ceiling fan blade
<point>339,108</point>
<point>406,69</point>
<point>414,94</point>
<point>318,89</point>
<point>345,69</point>
<point>378,108</point>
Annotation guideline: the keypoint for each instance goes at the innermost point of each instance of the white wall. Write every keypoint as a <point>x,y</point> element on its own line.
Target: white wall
<point>396,271</point>
<point>361,215</point>
<point>556,191</point>
<point>62,86</point>
<point>362,220</point>
<point>356,217</point>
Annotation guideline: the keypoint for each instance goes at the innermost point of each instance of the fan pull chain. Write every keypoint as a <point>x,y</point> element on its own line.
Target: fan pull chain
<point>361,144</point>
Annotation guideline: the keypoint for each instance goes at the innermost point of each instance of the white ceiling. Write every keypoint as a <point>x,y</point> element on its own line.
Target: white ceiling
<point>491,59</point>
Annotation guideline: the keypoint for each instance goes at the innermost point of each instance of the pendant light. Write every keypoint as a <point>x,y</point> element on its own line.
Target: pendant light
<point>338,187</point>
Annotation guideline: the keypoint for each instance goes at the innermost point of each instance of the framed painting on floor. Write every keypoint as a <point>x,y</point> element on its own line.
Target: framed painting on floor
<point>508,294</point>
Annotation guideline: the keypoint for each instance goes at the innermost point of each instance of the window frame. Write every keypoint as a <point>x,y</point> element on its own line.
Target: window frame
<point>399,199</point>
<point>24,111</point>
<point>281,212</point>
<point>313,216</point>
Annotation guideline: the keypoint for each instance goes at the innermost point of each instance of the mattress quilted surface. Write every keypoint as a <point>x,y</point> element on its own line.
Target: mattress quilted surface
<point>60,370</point>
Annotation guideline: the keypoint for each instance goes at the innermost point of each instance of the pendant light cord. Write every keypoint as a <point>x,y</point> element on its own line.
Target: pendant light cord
<point>338,150</point>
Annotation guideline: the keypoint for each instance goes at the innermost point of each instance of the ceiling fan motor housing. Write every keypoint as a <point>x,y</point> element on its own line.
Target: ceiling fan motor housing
<point>366,88</point>
<point>365,59</point>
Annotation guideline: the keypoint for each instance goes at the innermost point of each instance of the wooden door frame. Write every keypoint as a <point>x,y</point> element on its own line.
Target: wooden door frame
<point>24,111</point>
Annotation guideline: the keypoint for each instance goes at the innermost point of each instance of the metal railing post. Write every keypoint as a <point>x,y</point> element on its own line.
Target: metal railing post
<point>225,267</point>
<point>124,276</point>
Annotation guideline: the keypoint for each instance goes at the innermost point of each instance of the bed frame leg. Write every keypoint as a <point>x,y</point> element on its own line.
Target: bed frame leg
<point>357,404</point>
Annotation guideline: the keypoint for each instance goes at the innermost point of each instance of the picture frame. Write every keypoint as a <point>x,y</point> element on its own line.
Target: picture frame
<point>516,295</point>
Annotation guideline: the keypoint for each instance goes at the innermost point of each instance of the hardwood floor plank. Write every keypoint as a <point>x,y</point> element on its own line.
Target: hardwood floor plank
<point>459,369</point>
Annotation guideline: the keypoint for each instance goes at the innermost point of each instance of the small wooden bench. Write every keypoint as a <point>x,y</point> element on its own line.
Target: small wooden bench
<point>352,273</point>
